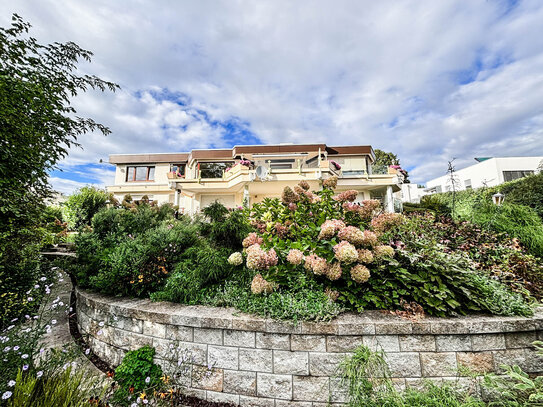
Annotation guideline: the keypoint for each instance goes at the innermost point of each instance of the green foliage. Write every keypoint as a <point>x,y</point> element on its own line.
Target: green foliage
<point>363,374</point>
<point>82,205</point>
<point>526,191</point>
<point>365,377</point>
<point>37,127</point>
<point>216,212</point>
<point>515,388</point>
<point>304,304</point>
<point>136,374</point>
<point>56,388</point>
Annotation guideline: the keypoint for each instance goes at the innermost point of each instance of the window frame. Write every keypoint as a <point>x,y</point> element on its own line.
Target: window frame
<point>149,167</point>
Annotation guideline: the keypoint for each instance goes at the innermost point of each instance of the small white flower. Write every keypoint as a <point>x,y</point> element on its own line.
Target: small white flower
<point>6,395</point>
<point>25,367</point>
<point>7,349</point>
<point>54,321</point>
<point>147,379</point>
<point>100,332</point>
<point>14,319</point>
<point>61,303</point>
<point>11,383</point>
<point>15,348</point>
<point>39,374</point>
<point>101,323</point>
<point>145,401</point>
<point>27,316</point>
<point>25,356</point>
<point>87,351</point>
<point>65,366</point>
<point>43,279</point>
<point>30,299</point>
<point>11,327</point>
<point>42,350</point>
<point>37,286</point>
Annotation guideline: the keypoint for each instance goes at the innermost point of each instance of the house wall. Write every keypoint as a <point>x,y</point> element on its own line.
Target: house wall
<point>489,171</point>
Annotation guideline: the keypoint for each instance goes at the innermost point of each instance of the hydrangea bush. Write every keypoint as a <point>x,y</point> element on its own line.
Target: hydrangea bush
<point>351,251</point>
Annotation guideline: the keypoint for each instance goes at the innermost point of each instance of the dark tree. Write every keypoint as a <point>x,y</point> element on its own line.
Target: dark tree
<point>37,127</point>
<point>384,159</point>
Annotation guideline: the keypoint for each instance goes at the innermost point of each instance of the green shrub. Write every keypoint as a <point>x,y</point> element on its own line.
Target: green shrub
<point>526,191</point>
<point>137,374</point>
<point>57,388</point>
<point>81,206</point>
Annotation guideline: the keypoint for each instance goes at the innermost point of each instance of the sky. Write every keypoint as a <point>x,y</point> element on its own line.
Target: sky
<point>428,80</point>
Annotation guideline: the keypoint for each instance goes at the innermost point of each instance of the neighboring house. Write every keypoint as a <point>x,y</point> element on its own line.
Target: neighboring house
<point>412,192</point>
<point>248,174</point>
<point>487,172</point>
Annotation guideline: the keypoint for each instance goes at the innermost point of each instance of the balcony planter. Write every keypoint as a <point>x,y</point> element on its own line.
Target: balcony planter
<point>173,175</point>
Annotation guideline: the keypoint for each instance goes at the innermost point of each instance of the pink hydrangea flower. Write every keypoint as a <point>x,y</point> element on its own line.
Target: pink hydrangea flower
<point>360,273</point>
<point>334,272</point>
<point>346,252</point>
<point>346,196</point>
<point>330,227</point>
<point>351,234</point>
<point>251,239</point>
<point>295,257</point>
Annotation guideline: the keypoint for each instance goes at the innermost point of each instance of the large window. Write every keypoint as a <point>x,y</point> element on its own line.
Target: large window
<point>214,170</point>
<point>281,164</point>
<point>179,169</point>
<point>511,175</point>
<point>140,173</point>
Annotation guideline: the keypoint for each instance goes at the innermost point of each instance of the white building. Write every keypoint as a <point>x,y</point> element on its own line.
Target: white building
<point>487,172</point>
<point>412,192</point>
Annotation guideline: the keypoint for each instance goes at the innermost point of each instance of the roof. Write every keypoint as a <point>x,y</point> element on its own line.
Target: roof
<point>229,154</point>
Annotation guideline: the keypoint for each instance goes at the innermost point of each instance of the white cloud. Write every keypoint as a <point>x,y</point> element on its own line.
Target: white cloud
<point>429,80</point>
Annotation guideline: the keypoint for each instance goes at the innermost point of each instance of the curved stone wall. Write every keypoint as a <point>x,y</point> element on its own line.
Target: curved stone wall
<point>262,362</point>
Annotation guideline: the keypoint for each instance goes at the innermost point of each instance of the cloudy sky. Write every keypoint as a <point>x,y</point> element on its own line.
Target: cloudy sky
<point>428,80</point>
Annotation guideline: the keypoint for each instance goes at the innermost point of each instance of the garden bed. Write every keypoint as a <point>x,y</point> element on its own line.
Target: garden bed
<point>255,360</point>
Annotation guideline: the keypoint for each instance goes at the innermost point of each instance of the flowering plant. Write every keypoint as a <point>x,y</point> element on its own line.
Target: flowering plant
<point>335,164</point>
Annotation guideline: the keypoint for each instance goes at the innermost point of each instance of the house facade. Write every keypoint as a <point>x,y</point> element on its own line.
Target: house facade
<point>488,172</point>
<point>248,174</point>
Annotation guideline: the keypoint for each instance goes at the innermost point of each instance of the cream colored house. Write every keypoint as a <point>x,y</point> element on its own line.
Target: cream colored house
<point>248,174</point>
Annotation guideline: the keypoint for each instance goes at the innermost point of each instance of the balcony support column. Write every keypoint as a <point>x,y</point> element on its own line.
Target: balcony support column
<point>389,203</point>
<point>246,196</point>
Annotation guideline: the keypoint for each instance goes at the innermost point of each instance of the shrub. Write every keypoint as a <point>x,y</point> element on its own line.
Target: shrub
<point>56,388</point>
<point>526,191</point>
<point>136,375</point>
<point>346,249</point>
<point>81,206</point>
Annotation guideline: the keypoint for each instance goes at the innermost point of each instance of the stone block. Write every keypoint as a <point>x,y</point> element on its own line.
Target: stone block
<point>421,327</point>
<point>288,403</point>
<point>393,328</point>
<point>338,393</point>
<point>328,328</point>
<point>421,383</point>
<point>223,356</point>
<point>488,342</point>
<point>274,385</point>
<point>248,323</point>
<point>135,341</point>
<point>336,343</point>
<point>201,394</point>
<point>449,327</point>
<point>287,362</point>
<point>526,359</point>
<point>216,322</point>
<point>404,364</point>
<point>417,343</point>
<point>386,343</point>
<point>217,397</point>
<point>515,340</point>
<point>240,382</point>
<point>438,364</point>
<point>315,343</point>
<point>310,388</point>
<point>245,339</point>
<point>128,324</point>
<point>287,327</point>
<point>453,343</point>
<point>155,329</point>
<point>206,379</point>
<point>208,335</point>
<point>246,401</point>
<point>179,333</point>
<point>197,352</point>
<point>324,364</point>
<point>256,360</point>
<point>272,341</point>
<point>478,362</point>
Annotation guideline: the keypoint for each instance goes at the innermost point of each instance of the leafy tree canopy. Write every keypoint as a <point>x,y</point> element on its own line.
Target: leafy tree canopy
<point>37,123</point>
<point>383,158</point>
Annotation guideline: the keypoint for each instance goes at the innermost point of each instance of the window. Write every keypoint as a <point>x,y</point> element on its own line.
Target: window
<point>179,169</point>
<point>467,184</point>
<point>352,173</point>
<point>438,189</point>
<point>213,170</point>
<point>512,175</point>
<point>281,164</point>
<point>140,174</point>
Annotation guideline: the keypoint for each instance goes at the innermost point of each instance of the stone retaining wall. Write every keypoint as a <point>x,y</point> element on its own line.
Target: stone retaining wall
<point>262,362</point>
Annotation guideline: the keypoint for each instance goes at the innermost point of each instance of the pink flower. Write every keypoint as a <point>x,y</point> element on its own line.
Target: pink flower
<point>386,221</point>
<point>345,252</point>
<point>316,264</point>
<point>369,238</point>
<point>252,239</point>
<point>365,256</point>
<point>346,196</point>
<point>334,272</point>
<point>260,286</point>
<point>351,234</point>
<point>330,227</point>
<point>295,257</point>
<point>360,273</point>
